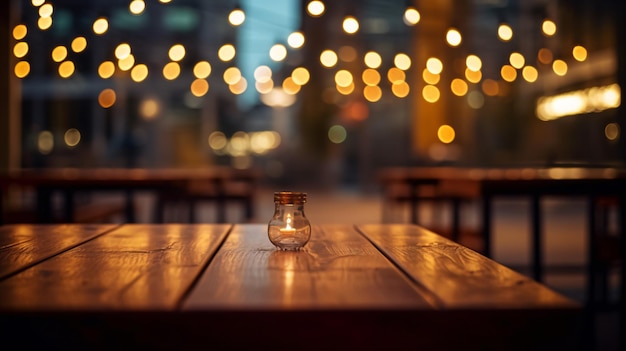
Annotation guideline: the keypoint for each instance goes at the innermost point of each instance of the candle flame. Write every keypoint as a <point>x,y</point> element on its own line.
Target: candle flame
<point>288,220</point>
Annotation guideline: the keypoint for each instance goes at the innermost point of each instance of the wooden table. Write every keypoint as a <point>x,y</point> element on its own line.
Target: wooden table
<point>69,181</point>
<point>485,184</point>
<point>225,286</point>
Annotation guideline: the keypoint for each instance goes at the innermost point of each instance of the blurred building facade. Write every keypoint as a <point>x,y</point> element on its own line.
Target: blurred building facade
<point>372,85</point>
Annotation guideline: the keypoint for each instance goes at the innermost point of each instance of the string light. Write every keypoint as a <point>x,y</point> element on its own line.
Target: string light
<point>453,37</point>
<point>236,17</point>
<point>350,25</point>
<point>505,32</point>
<point>315,8</point>
<point>411,16</point>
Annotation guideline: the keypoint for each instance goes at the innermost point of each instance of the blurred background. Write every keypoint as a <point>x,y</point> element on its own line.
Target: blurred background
<point>322,96</point>
<point>311,92</point>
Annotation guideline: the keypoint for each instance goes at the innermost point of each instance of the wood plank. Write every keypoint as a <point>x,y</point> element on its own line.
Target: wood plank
<point>337,269</point>
<point>459,276</point>
<point>24,245</point>
<point>135,267</point>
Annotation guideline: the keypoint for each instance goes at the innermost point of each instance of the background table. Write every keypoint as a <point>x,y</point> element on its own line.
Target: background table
<point>172,285</point>
<point>216,183</point>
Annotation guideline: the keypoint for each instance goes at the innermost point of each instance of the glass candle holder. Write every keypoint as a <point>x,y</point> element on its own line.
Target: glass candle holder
<point>289,229</point>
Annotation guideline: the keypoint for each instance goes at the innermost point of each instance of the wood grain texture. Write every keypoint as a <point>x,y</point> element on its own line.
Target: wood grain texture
<point>135,267</point>
<point>458,276</point>
<point>337,269</point>
<point>24,245</point>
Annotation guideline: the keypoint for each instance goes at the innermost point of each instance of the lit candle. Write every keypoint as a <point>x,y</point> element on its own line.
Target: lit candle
<point>288,230</point>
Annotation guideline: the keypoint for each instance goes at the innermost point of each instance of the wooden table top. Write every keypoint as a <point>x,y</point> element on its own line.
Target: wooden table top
<point>361,286</point>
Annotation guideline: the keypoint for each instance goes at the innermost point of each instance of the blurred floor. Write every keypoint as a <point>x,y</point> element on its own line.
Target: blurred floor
<point>564,240</point>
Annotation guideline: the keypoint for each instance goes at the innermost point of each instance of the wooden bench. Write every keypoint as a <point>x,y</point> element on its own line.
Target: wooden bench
<point>180,204</point>
<point>93,212</point>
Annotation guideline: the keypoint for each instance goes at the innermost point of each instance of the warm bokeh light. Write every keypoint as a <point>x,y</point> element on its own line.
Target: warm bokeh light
<point>37,3</point>
<point>396,75</point>
<point>264,87</point>
<point>217,140</point>
<point>139,73</point>
<point>226,52</point>
<point>402,61</point>
<point>263,74</point>
<point>202,69</point>
<point>72,137</point>
<point>343,78</point>
<point>347,53</point>
<point>300,75</point>
<point>176,52</point>
<point>45,142</point>
<point>239,87</point>
<point>328,58</point>
<point>136,7</point>
<point>612,131</point>
<point>508,73</point>
<point>149,108</point>
<point>127,63</point>
<point>548,27</point>
<point>434,65</point>
<point>232,75</point>
<point>473,76</point>
<point>237,17</point>
<point>345,90</point>
<point>79,44</point>
<point>431,93</point>
<point>372,93</point>
<point>66,69</point>
<point>22,69</point>
<point>544,56</point>
<point>122,51</point>
<point>107,98</point>
<point>171,70</point>
<point>505,32</point>
<point>19,32</point>
<point>430,77</point>
<point>595,99</point>
<point>264,141</point>
<point>290,87</point>
<point>474,63</point>
<point>530,74</point>
<point>46,10</point>
<point>579,53</point>
<point>372,59</point>
<point>350,25</point>
<point>517,60</point>
<point>20,49</point>
<point>295,40</point>
<point>446,134</point>
<point>44,23</point>
<point>278,52</point>
<point>199,87</point>
<point>59,53</point>
<point>475,99</point>
<point>559,67</point>
<point>100,26</point>
<point>490,87</point>
<point>400,89</point>
<point>315,8</point>
<point>411,16</point>
<point>371,76</point>
<point>458,87</point>
<point>453,37</point>
<point>106,69</point>
<point>337,134</point>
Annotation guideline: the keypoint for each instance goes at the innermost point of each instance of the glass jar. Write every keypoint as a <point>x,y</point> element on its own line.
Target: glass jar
<point>289,229</point>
